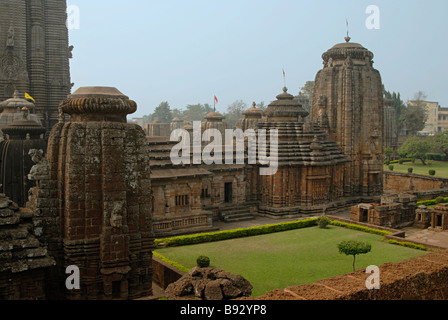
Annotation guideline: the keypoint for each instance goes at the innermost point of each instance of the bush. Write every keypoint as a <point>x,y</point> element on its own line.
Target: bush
<point>323,222</point>
<point>410,170</point>
<point>408,244</point>
<point>387,162</point>
<point>203,262</point>
<point>359,228</point>
<point>432,172</point>
<point>436,156</point>
<point>391,167</point>
<point>401,161</point>
<point>171,262</point>
<point>439,200</point>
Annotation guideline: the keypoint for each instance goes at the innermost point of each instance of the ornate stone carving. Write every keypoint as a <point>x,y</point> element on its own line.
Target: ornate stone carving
<point>10,40</point>
<point>41,168</point>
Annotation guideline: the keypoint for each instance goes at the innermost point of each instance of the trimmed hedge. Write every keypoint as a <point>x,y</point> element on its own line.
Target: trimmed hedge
<point>432,202</point>
<point>360,228</point>
<point>408,244</point>
<point>235,233</point>
<point>401,161</point>
<point>254,231</point>
<point>171,262</point>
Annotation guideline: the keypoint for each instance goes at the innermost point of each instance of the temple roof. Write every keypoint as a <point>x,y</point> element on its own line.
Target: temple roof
<point>98,100</point>
<point>21,127</point>
<point>11,105</point>
<point>347,49</point>
<point>253,112</point>
<point>214,116</point>
<point>285,107</point>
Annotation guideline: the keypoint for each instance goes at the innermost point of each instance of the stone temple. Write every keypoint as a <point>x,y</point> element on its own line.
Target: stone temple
<point>348,103</point>
<point>34,54</point>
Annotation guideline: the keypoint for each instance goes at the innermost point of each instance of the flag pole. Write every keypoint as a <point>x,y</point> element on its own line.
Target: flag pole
<point>284,77</point>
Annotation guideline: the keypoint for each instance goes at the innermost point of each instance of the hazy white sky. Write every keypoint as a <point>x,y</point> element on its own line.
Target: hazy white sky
<point>185,52</point>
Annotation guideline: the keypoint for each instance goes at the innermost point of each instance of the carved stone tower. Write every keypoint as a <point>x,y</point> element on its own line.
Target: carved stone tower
<point>348,104</point>
<point>34,54</point>
<point>310,167</point>
<point>93,198</point>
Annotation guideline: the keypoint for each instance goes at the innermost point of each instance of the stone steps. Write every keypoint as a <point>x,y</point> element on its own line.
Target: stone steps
<point>236,213</point>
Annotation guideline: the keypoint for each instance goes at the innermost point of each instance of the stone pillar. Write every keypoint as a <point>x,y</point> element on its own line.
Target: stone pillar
<point>100,167</point>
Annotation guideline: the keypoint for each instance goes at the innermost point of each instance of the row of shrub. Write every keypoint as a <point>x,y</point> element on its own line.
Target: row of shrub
<point>431,172</point>
<point>259,230</point>
<point>359,228</point>
<point>432,202</point>
<point>235,233</point>
<point>429,156</point>
<point>408,244</point>
<point>436,157</point>
<point>171,262</point>
<point>400,161</point>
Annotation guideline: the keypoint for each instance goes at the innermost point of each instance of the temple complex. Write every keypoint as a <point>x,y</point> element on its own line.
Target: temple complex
<point>97,193</point>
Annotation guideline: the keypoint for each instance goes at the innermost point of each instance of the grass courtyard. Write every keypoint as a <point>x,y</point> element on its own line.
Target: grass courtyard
<point>441,167</point>
<point>282,259</point>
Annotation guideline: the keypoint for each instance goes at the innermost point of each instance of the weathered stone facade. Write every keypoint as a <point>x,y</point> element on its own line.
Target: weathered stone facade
<point>23,259</point>
<point>439,217</point>
<point>348,104</point>
<point>93,198</point>
<point>34,54</point>
<point>178,193</point>
<point>394,211</point>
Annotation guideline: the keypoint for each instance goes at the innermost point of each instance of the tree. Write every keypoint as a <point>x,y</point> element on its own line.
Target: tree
<point>440,142</point>
<point>354,248</point>
<point>235,112</point>
<point>399,106</point>
<point>415,115</point>
<point>388,152</point>
<point>307,90</point>
<point>261,106</point>
<point>416,148</point>
<point>196,112</point>
<point>163,113</point>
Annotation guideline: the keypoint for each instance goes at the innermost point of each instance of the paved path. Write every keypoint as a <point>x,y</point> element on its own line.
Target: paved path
<point>424,235</point>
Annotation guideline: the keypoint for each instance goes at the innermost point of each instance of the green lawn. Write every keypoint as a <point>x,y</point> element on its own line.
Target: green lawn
<point>441,167</point>
<point>288,258</point>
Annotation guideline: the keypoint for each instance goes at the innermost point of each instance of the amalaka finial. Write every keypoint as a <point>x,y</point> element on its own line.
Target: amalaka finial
<point>285,89</point>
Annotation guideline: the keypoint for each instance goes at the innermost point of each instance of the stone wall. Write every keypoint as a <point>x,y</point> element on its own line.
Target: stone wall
<point>164,273</point>
<point>404,182</point>
<point>421,278</point>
